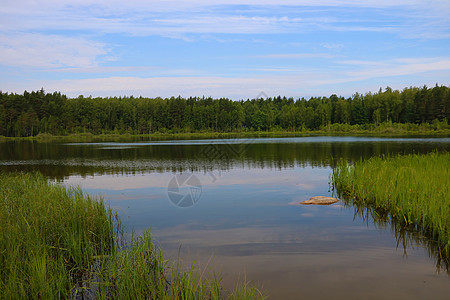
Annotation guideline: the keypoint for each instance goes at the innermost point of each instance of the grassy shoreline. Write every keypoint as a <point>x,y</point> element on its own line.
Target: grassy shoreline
<point>58,243</point>
<point>381,130</point>
<point>413,190</point>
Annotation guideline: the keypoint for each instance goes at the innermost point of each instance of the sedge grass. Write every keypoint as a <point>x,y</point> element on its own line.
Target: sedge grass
<point>57,243</point>
<point>48,236</point>
<point>413,190</point>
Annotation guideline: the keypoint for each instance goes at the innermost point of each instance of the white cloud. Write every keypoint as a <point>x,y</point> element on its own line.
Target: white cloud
<point>361,63</point>
<point>235,88</point>
<point>293,83</point>
<point>297,55</point>
<point>163,5</point>
<point>200,16</point>
<point>98,69</point>
<point>48,51</point>
<point>59,35</point>
<point>397,67</point>
<point>333,46</point>
<point>228,24</point>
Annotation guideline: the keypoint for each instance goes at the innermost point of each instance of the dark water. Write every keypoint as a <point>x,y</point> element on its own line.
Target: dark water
<point>231,206</point>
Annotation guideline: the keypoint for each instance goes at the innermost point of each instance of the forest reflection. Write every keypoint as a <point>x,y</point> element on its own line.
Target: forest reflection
<point>407,236</point>
<point>59,160</point>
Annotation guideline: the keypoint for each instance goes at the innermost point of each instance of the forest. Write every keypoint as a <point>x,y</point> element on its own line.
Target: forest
<point>36,112</point>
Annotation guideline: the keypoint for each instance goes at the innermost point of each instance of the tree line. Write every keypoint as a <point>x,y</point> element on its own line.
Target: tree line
<point>38,112</point>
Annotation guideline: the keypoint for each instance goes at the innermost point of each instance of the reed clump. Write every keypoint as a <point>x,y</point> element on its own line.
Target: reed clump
<point>58,243</point>
<point>411,189</point>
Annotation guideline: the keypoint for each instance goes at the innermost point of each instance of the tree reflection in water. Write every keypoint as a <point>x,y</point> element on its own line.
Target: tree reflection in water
<point>407,236</point>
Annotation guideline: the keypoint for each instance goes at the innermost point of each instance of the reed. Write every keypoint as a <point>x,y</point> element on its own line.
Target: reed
<point>49,236</point>
<point>412,190</point>
<point>58,243</point>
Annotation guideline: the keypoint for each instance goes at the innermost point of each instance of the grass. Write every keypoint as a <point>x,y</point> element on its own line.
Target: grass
<point>386,129</point>
<point>48,236</point>
<point>57,243</point>
<point>412,190</point>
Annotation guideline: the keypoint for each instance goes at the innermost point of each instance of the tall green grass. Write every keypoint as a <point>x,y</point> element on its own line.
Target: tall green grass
<point>57,243</point>
<point>49,236</point>
<point>413,190</point>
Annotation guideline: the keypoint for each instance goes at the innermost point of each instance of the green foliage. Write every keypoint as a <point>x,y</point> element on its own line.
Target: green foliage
<point>57,243</point>
<point>37,112</point>
<point>49,236</point>
<point>413,189</point>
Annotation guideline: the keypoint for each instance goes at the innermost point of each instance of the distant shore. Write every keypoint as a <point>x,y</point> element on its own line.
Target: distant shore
<point>381,130</point>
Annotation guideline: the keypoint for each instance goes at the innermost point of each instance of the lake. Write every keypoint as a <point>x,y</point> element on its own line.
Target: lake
<point>231,206</point>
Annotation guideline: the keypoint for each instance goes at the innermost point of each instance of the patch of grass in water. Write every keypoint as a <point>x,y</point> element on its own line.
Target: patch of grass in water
<point>412,190</point>
<point>57,243</point>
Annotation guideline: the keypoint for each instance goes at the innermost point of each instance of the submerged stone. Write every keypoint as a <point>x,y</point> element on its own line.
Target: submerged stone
<point>320,200</point>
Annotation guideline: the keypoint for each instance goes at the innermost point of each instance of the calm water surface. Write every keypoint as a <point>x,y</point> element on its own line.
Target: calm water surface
<point>231,206</point>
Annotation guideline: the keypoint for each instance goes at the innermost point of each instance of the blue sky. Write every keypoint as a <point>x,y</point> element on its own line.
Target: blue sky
<point>234,49</point>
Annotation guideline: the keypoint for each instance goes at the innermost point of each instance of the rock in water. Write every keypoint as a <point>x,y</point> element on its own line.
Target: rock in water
<point>320,200</point>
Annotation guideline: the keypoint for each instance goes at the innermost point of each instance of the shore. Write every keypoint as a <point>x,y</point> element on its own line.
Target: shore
<point>381,130</point>
<point>59,243</point>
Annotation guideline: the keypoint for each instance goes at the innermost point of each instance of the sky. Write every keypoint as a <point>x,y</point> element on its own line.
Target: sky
<point>234,49</point>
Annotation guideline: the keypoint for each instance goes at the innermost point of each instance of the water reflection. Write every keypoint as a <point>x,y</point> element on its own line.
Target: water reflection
<point>407,236</point>
<point>60,160</point>
<point>247,219</point>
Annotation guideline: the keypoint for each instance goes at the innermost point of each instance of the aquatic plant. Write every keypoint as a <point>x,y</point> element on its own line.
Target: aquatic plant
<point>412,190</point>
<point>49,236</point>
<point>58,243</point>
